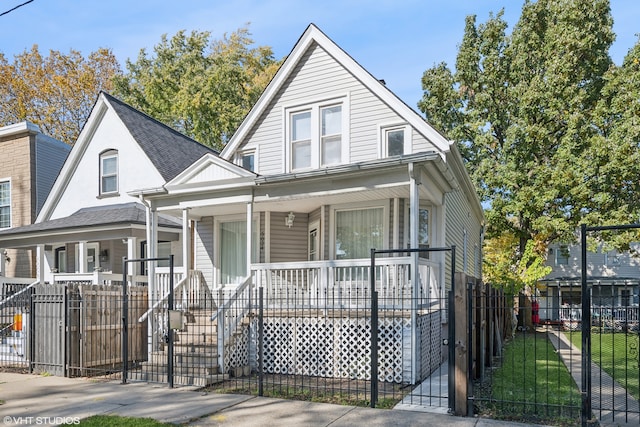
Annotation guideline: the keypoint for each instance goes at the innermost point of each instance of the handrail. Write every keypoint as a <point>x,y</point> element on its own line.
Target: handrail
<point>234,298</point>
<point>160,301</point>
<point>9,298</point>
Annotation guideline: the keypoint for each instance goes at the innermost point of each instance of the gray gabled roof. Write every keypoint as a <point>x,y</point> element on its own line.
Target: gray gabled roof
<point>170,151</point>
<point>124,214</point>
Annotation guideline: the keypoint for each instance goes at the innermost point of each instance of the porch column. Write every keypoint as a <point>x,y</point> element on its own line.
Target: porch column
<point>40,263</point>
<point>186,241</point>
<point>249,236</point>
<point>3,263</point>
<point>132,267</point>
<point>152,252</point>
<point>414,210</point>
<point>82,257</point>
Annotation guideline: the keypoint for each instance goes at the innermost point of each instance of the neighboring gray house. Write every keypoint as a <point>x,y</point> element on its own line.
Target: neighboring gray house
<point>614,279</point>
<point>29,164</point>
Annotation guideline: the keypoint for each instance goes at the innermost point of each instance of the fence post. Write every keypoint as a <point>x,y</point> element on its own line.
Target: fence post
<point>374,331</point>
<point>461,341</point>
<point>169,330</point>
<point>586,332</point>
<point>125,322</point>
<point>260,341</point>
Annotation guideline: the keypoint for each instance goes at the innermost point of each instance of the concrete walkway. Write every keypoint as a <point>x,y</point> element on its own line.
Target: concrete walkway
<point>39,400</point>
<point>609,400</point>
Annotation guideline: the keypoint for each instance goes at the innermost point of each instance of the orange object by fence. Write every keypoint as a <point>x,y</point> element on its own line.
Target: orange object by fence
<point>17,322</point>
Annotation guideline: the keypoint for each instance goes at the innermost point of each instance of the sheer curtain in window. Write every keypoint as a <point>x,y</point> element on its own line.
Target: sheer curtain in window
<point>233,255</point>
<point>357,231</point>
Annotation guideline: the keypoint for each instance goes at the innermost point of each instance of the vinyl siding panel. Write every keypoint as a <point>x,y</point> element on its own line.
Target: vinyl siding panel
<point>318,77</point>
<point>600,264</point>
<point>289,244</point>
<point>459,218</point>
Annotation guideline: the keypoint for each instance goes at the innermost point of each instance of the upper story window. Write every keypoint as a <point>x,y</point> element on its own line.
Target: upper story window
<point>109,172</point>
<point>5,204</point>
<point>317,135</point>
<point>247,159</point>
<point>562,255</point>
<point>395,141</point>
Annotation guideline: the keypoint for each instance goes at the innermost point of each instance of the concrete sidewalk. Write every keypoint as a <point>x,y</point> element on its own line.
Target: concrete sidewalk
<point>47,400</point>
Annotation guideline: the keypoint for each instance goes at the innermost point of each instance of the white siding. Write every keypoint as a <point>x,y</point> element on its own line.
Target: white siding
<point>319,77</point>
<point>135,170</point>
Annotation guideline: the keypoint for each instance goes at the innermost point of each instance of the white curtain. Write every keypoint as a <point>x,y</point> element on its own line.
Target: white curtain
<point>233,255</point>
<point>357,231</point>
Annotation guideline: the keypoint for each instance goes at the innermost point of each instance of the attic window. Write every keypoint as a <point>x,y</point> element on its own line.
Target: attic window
<point>247,159</point>
<point>395,141</point>
<point>109,172</point>
<point>317,135</point>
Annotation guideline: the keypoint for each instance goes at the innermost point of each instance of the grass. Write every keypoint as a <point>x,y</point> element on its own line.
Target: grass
<point>118,421</point>
<point>531,384</point>
<point>617,354</point>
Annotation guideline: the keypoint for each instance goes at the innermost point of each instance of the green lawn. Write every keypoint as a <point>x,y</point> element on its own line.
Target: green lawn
<point>617,355</point>
<point>532,384</point>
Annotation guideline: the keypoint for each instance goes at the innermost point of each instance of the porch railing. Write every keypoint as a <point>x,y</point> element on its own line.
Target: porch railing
<point>613,317</point>
<point>346,283</point>
<point>97,278</point>
<point>234,304</point>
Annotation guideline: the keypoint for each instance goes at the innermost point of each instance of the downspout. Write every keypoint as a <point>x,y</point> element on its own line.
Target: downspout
<point>151,271</point>
<point>414,209</point>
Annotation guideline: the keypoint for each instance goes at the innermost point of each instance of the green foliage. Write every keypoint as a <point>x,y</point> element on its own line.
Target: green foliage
<point>55,92</point>
<point>200,87</point>
<point>118,421</point>
<point>548,125</point>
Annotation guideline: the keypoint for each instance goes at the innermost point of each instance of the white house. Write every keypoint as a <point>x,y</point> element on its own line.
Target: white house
<point>89,221</point>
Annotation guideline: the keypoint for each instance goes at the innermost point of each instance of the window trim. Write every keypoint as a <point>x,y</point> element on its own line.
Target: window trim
<point>107,154</point>
<point>384,129</point>
<point>242,153</point>
<point>315,106</point>
<point>559,250</point>
<point>376,204</point>
<point>8,181</point>
<point>217,273</point>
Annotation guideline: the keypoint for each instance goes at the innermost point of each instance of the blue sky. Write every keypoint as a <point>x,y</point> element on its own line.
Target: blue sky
<point>395,40</point>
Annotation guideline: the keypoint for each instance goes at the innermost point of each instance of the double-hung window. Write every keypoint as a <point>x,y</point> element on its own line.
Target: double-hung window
<point>247,159</point>
<point>5,204</point>
<point>316,135</point>
<point>109,172</point>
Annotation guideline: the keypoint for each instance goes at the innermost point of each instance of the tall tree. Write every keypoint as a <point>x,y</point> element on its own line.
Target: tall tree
<point>521,106</point>
<point>200,87</point>
<point>56,92</point>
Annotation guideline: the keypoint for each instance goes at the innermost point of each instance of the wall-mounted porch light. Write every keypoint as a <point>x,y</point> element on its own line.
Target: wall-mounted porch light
<point>288,220</point>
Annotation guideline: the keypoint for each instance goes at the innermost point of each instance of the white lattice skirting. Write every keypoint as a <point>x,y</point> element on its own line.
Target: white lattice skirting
<point>341,347</point>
